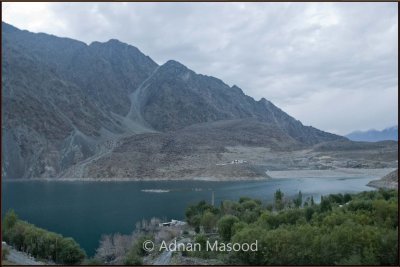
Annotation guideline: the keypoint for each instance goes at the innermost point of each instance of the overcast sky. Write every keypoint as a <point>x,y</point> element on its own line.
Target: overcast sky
<point>331,65</point>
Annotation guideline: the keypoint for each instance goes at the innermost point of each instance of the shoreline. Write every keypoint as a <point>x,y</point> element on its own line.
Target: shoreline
<point>332,173</point>
<point>205,179</point>
<point>287,174</point>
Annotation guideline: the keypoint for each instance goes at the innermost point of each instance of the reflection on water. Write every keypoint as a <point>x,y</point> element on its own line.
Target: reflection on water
<point>85,210</point>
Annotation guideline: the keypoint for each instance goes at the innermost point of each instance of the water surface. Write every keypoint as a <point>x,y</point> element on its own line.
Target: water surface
<point>86,210</point>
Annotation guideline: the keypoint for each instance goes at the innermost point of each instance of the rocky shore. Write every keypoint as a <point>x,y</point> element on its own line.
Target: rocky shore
<point>389,181</point>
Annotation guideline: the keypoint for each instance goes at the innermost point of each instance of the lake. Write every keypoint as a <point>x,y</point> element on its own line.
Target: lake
<point>86,210</point>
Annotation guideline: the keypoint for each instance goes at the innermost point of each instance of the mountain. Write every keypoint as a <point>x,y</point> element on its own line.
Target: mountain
<point>61,97</point>
<point>174,97</point>
<point>106,110</point>
<point>390,133</point>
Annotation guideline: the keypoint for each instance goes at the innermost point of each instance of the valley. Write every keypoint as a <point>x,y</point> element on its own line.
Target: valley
<point>106,111</point>
<point>113,155</point>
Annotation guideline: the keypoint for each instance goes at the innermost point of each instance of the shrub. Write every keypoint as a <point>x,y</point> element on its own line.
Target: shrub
<point>225,225</point>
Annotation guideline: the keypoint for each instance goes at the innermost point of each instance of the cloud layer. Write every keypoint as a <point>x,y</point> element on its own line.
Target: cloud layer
<point>331,65</point>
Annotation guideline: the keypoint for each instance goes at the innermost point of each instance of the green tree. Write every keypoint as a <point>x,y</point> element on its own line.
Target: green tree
<point>278,197</point>
<point>238,227</point>
<point>244,199</point>
<point>202,240</point>
<point>10,219</point>
<point>364,232</point>
<point>225,225</point>
<point>195,221</point>
<point>194,213</point>
<point>39,242</point>
<point>132,258</point>
<point>17,236</point>
<point>208,221</point>
<point>299,200</point>
<point>136,252</point>
<point>70,252</point>
<point>230,207</point>
<point>269,207</point>
<point>312,203</point>
<point>325,204</point>
<point>249,235</point>
<point>347,198</point>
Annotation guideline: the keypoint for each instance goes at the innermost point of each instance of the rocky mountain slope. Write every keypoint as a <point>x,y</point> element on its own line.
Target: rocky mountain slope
<point>196,153</point>
<point>61,98</point>
<point>174,97</point>
<point>106,110</point>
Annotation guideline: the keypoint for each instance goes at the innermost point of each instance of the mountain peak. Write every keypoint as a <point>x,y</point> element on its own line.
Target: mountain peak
<point>265,102</point>
<point>237,89</point>
<point>173,68</point>
<point>174,64</point>
<point>116,43</point>
<point>111,42</point>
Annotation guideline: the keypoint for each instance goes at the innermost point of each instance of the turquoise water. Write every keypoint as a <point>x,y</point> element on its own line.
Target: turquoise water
<point>86,210</point>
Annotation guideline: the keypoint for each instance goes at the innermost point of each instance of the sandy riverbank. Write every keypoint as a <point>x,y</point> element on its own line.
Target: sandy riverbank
<point>335,173</point>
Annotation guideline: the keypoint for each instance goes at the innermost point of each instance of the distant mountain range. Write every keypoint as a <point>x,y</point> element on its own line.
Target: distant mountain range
<point>107,110</point>
<point>390,133</point>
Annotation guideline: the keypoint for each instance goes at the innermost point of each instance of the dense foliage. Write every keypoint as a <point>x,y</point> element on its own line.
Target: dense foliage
<point>40,243</point>
<point>341,229</point>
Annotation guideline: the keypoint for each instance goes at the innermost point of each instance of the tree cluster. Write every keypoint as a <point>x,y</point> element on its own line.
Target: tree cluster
<point>40,243</point>
<point>359,229</point>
